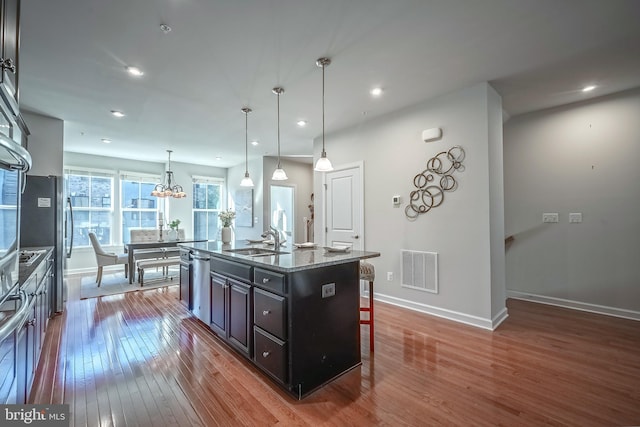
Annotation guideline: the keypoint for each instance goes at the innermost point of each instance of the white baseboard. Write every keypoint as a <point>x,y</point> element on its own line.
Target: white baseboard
<point>467,319</point>
<point>576,305</point>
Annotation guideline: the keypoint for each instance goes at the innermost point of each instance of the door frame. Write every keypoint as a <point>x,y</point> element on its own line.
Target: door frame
<point>359,166</point>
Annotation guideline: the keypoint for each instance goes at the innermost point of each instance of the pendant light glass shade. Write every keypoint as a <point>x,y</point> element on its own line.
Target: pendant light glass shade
<point>246,181</point>
<point>323,164</point>
<point>279,174</point>
<point>166,188</point>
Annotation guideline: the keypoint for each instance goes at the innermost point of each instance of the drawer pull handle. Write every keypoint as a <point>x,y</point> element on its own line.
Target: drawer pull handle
<point>265,312</point>
<point>265,280</point>
<point>265,354</point>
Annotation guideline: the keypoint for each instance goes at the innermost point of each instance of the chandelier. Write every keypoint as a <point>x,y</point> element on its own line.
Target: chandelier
<point>165,189</point>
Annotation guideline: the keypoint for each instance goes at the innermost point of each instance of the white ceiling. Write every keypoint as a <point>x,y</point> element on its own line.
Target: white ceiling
<point>222,55</point>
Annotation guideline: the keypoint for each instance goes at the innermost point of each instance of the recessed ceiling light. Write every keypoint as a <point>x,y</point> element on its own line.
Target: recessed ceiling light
<point>135,71</point>
<point>117,113</point>
<point>254,143</point>
<point>376,91</point>
<point>302,123</point>
<point>218,158</point>
<point>106,141</point>
<point>588,88</point>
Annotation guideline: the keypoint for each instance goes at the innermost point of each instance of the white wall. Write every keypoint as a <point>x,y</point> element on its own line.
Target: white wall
<point>579,158</point>
<point>460,230</point>
<point>45,144</point>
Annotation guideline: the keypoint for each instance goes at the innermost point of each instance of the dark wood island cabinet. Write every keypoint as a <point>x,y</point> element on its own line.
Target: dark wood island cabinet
<point>294,314</point>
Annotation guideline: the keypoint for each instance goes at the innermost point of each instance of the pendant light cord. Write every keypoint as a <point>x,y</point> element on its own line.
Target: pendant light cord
<point>278,129</point>
<point>323,152</point>
<point>246,143</point>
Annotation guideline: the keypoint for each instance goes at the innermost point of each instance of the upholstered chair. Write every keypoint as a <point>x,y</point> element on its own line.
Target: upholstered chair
<point>106,258</point>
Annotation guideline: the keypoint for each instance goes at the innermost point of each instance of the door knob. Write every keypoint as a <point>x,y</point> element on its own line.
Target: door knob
<point>356,236</point>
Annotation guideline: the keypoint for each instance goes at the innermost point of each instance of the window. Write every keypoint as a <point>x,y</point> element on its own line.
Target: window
<point>91,195</point>
<point>207,203</point>
<point>139,208</point>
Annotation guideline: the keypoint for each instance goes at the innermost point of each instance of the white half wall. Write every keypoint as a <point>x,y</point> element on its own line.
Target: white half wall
<point>582,158</point>
<point>461,230</point>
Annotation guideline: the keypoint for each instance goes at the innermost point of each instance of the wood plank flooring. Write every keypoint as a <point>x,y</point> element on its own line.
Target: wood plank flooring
<point>139,359</point>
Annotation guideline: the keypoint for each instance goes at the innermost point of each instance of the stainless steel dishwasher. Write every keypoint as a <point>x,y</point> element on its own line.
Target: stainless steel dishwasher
<point>201,288</point>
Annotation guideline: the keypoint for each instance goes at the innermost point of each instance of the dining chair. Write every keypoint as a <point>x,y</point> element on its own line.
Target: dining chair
<point>107,258</point>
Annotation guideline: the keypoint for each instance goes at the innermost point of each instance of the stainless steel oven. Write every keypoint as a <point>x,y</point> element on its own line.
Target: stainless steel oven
<point>14,161</point>
<point>14,303</point>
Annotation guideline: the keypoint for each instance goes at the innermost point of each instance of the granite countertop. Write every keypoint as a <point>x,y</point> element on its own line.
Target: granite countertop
<point>26,270</point>
<point>292,259</point>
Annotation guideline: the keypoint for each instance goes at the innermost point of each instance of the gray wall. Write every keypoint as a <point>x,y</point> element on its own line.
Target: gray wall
<point>579,158</point>
<point>45,144</point>
<point>461,230</point>
<point>301,178</point>
<point>234,176</point>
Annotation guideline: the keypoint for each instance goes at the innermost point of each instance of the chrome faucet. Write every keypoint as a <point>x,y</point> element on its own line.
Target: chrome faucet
<point>276,236</point>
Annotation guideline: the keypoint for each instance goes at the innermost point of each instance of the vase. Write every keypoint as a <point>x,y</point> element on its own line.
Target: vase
<point>226,235</point>
<point>172,234</point>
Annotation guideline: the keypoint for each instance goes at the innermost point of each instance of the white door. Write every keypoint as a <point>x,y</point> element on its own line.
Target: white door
<point>345,200</point>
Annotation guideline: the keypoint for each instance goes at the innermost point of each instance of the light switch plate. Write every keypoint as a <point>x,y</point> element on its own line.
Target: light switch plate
<point>575,217</point>
<point>550,217</point>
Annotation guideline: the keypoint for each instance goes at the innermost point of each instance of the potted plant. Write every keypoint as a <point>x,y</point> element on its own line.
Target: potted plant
<point>226,217</point>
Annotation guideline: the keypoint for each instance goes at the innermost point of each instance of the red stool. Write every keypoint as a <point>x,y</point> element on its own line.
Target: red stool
<point>368,273</point>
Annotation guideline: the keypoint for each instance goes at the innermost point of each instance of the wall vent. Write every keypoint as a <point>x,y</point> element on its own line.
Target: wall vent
<point>420,270</point>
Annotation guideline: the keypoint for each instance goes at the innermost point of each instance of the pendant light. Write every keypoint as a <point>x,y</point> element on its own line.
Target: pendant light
<point>323,164</point>
<point>165,188</point>
<point>246,181</point>
<point>279,174</point>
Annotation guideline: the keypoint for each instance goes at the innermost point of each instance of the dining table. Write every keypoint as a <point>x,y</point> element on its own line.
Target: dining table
<point>131,247</point>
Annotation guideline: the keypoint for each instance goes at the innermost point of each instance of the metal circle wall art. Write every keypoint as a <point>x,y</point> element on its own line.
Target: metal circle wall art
<point>429,193</point>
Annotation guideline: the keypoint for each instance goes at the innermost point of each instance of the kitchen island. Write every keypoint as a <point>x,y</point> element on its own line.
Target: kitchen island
<point>294,314</point>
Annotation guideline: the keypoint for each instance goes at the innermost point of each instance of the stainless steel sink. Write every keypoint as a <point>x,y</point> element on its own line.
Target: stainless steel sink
<point>254,252</point>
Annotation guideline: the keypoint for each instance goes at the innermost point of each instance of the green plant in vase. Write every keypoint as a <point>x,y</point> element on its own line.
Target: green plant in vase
<point>226,217</point>
<point>173,225</point>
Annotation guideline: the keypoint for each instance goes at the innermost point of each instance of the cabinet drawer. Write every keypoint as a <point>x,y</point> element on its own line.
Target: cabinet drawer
<point>270,354</point>
<point>230,268</point>
<point>270,280</point>
<point>270,312</point>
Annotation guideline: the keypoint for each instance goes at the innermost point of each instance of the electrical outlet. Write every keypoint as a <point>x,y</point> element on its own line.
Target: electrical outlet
<point>390,276</point>
<point>328,290</point>
<point>549,217</point>
<point>575,217</point>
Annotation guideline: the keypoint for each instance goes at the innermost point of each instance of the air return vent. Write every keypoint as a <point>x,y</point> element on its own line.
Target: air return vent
<point>420,270</point>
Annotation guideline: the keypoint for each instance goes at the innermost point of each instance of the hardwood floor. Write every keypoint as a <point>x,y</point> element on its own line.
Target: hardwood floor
<point>139,359</point>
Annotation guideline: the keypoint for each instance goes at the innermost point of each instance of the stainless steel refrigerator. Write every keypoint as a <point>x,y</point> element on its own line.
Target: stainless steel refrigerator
<point>43,217</point>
